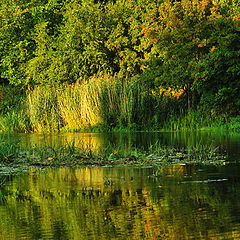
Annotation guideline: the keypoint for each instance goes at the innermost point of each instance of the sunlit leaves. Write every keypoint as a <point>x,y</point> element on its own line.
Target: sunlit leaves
<point>198,43</point>
<point>193,45</point>
<point>18,29</point>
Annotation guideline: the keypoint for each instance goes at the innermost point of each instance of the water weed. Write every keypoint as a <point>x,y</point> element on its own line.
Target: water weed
<point>73,155</point>
<point>8,151</point>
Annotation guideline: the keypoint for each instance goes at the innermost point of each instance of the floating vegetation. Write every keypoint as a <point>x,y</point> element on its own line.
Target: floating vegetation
<point>207,181</point>
<point>8,151</point>
<point>71,155</point>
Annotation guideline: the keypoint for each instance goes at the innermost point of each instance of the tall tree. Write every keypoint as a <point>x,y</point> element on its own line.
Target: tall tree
<point>198,45</point>
<point>19,23</point>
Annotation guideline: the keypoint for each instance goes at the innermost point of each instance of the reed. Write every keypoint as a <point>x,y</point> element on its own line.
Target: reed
<point>188,120</point>
<point>79,105</point>
<point>102,100</point>
<point>43,109</point>
<point>8,150</point>
<point>14,121</point>
<point>105,102</point>
<point>233,124</point>
<point>13,117</point>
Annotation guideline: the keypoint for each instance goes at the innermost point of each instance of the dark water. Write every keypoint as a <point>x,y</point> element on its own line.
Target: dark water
<point>183,202</point>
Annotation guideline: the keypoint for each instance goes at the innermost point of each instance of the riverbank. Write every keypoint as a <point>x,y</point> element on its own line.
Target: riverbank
<point>106,104</point>
<point>119,72</point>
<point>13,122</point>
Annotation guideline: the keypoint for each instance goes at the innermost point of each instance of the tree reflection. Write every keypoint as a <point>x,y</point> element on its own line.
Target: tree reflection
<point>77,204</point>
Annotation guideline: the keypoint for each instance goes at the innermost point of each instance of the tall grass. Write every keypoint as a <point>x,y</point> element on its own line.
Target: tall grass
<point>8,149</point>
<point>13,117</point>
<point>234,124</point>
<point>188,120</point>
<point>103,100</point>
<point>198,120</point>
<point>79,105</point>
<point>231,124</point>
<point>43,109</point>
<point>14,121</point>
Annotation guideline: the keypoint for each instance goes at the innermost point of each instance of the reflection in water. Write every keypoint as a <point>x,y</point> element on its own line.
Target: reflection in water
<point>81,204</point>
<point>183,202</point>
<point>132,141</point>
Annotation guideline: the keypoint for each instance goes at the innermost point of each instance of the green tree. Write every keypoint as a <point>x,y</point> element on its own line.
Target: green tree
<point>19,21</point>
<point>16,45</point>
<point>94,37</point>
<point>198,47</point>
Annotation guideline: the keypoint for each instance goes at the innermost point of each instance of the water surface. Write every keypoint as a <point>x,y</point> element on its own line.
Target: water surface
<point>183,202</point>
<point>137,140</point>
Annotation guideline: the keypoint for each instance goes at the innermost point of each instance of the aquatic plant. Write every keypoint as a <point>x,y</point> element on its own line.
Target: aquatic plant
<point>103,100</point>
<point>72,155</point>
<point>43,109</point>
<point>8,151</point>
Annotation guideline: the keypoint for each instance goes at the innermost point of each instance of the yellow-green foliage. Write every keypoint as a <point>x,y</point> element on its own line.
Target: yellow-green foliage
<point>99,100</point>
<point>12,110</point>
<point>79,104</point>
<point>14,121</point>
<point>43,109</point>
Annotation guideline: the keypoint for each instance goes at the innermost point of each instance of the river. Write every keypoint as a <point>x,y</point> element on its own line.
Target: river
<point>183,202</point>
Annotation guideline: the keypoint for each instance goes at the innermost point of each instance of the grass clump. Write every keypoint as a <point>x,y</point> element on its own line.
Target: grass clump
<point>101,101</point>
<point>190,120</point>
<point>72,155</point>
<point>104,103</point>
<point>8,151</point>
<point>43,109</point>
<point>13,112</point>
<point>234,124</point>
<point>14,121</point>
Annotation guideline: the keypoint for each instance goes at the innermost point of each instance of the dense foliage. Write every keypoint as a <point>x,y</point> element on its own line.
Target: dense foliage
<point>189,45</point>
